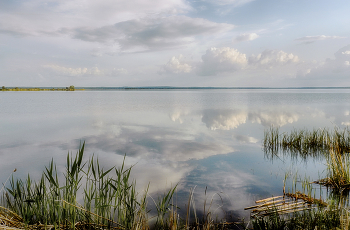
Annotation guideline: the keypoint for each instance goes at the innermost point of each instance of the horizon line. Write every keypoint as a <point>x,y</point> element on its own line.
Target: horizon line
<point>183,87</point>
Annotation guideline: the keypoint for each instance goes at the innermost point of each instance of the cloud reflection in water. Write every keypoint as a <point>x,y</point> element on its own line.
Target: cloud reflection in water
<point>173,138</point>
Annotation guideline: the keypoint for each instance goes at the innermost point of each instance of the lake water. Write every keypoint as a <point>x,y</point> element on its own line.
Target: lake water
<point>206,140</point>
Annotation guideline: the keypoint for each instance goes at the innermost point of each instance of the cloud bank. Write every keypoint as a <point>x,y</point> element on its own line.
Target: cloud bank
<point>230,60</point>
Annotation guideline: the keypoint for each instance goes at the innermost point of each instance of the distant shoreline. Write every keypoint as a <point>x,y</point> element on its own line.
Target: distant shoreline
<point>72,88</point>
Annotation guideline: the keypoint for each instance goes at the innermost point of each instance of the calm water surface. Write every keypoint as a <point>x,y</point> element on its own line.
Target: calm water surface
<point>206,140</point>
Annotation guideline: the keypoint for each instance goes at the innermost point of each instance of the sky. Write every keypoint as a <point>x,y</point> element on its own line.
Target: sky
<point>219,43</point>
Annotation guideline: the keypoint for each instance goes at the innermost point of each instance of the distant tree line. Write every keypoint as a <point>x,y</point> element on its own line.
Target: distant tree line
<point>70,88</point>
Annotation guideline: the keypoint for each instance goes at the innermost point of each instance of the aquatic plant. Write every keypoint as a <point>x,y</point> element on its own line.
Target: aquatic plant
<point>306,143</point>
<point>91,197</point>
<point>338,170</point>
<point>306,220</point>
<point>109,197</point>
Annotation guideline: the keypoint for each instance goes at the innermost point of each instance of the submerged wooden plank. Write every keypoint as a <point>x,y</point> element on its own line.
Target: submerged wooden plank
<point>280,206</point>
<point>268,199</point>
<point>283,204</point>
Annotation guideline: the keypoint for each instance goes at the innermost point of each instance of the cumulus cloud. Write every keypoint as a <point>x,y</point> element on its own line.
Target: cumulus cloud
<point>150,33</point>
<point>176,65</point>
<point>224,59</point>
<point>312,39</point>
<point>229,60</point>
<point>271,58</point>
<point>246,37</point>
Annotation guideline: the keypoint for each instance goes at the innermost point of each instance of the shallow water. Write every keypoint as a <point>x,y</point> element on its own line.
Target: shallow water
<point>206,140</point>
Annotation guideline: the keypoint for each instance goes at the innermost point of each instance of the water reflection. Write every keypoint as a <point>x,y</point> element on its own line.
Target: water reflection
<point>223,119</point>
<point>208,139</point>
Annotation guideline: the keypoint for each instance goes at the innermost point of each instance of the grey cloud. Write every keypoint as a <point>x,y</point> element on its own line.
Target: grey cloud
<point>41,17</point>
<point>150,34</point>
<point>20,33</point>
<point>312,39</point>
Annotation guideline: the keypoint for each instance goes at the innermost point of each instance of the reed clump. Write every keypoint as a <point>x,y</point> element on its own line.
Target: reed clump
<point>307,220</point>
<point>90,197</point>
<point>306,143</point>
<point>338,170</point>
<point>333,145</point>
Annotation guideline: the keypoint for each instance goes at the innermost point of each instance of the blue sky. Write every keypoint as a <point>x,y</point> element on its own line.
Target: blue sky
<point>276,43</point>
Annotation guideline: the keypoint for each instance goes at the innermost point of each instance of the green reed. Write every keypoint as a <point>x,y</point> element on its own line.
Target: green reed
<point>305,143</point>
<point>332,145</point>
<point>89,196</point>
<point>306,220</point>
<point>338,170</point>
<point>109,198</point>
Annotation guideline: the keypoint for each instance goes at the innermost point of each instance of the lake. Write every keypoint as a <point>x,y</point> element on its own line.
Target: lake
<point>205,140</point>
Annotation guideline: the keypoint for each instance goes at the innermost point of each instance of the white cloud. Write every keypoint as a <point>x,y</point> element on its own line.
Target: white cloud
<point>224,59</point>
<point>176,65</point>
<point>311,39</point>
<point>246,37</point>
<point>272,58</point>
<point>150,33</point>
